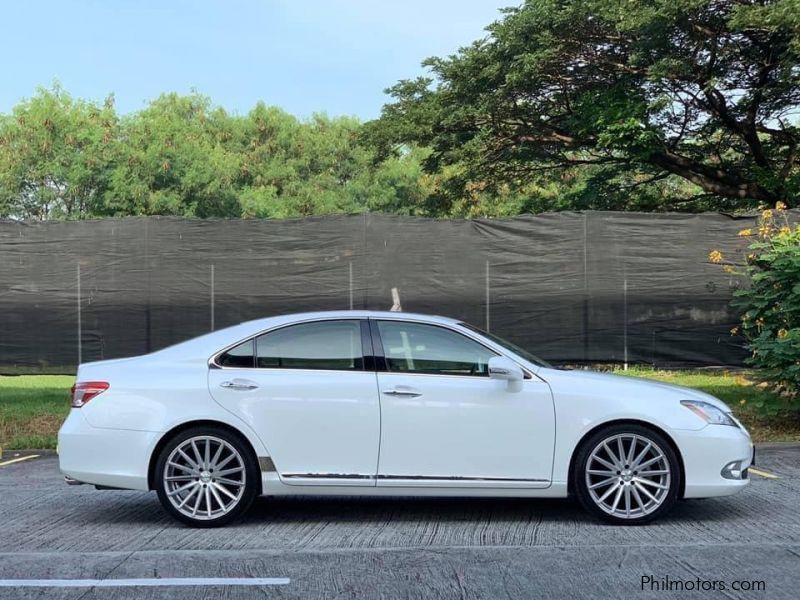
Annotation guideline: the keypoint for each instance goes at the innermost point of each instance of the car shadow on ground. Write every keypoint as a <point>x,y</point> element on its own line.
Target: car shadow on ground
<point>142,509</point>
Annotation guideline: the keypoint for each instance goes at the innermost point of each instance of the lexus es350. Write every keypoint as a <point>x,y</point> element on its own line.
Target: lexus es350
<point>390,404</point>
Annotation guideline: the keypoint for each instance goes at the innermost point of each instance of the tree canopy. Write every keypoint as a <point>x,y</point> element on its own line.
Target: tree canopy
<point>647,105</point>
<point>181,155</point>
<point>697,95</point>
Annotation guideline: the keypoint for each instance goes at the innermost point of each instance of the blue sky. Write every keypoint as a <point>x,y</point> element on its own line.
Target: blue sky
<point>334,56</point>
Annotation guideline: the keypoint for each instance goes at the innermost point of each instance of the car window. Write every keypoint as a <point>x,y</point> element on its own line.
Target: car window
<point>319,345</point>
<point>420,348</point>
<point>241,356</point>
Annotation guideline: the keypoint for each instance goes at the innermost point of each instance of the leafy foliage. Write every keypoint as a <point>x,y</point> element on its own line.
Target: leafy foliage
<point>770,303</point>
<point>62,158</point>
<point>695,98</point>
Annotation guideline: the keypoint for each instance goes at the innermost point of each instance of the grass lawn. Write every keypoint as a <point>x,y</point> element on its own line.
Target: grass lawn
<point>32,407</point>
<point>739,392</point>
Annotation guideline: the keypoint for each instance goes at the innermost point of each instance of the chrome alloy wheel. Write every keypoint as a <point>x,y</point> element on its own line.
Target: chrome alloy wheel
<point>205,477</point>
<point>628,476</point>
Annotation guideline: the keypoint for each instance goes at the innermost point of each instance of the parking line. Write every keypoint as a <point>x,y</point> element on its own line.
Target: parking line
<point>153,582</point>
<point>16,460</point>
<point>766,474</point>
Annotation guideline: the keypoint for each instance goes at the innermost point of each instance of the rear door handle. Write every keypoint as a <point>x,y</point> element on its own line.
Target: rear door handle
<point>402,391</point>
<point>239,384</point>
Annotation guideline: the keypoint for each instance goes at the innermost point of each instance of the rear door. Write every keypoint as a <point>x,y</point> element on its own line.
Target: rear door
<point>310,391</point>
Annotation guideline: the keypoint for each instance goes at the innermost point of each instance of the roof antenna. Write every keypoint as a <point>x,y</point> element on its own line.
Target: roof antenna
<point>396,301</point>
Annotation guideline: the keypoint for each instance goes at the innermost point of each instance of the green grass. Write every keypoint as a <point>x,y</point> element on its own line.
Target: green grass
<point>32,408</point>
<point>738,391</point>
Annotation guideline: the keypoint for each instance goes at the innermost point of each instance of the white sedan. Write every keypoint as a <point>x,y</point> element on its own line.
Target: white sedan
<point>390,404</point>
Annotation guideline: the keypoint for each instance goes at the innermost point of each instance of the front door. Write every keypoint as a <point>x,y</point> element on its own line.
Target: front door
<point>305,390</point>
<point>445,423</point>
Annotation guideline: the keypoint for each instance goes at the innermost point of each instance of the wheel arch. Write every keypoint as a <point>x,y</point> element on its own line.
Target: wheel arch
<point>640,423</point>
<point>168,435</point>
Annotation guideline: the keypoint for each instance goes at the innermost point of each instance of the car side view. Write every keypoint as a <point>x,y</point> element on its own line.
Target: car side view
<point>391,404</point>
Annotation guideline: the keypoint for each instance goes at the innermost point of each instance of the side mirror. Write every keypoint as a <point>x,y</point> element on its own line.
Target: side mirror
<point>506,369</point>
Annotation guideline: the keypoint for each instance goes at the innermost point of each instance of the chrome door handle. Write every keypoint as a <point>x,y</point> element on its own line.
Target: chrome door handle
<point>238,384</point>
<point>406,393</point>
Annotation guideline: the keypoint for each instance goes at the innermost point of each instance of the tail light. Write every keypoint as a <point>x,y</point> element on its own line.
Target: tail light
<point>83,391</point>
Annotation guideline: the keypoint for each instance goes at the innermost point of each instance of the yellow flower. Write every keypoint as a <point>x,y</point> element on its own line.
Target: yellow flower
<point>742,401</point>
<point>715,256</point>
<point>785,230</point>
<point>780,206</point>
<point>782,333</point>
<point>766,214</point>
<point>728,269</point>
<point>764,230</point>
<point>745,232</point>
<point>759,322</point>
<point>735,330</point>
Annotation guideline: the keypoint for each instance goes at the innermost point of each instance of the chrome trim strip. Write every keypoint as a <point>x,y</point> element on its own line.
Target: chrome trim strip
<point>406,477</point>
<point>440,478</point>
<point>326,476</point>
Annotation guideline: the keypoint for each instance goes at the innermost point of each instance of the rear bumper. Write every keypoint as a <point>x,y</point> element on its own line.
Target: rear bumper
<point>706,452</point>
<point>106,457</point>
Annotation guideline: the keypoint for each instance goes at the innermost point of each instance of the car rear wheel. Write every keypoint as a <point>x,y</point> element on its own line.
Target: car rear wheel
<point>206,477</point>
<point>627,474</point>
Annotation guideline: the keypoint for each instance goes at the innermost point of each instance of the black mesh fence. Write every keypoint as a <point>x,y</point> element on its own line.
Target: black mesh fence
<point>572,287</point>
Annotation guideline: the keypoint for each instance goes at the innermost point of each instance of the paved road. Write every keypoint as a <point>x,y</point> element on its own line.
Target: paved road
<point>397,548</point>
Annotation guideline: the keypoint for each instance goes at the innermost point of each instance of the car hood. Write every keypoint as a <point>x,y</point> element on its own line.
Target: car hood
<point>645,389</point>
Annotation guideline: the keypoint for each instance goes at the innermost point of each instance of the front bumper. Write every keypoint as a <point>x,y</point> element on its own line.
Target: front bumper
<point>706,452</point>
<point>116,458</point>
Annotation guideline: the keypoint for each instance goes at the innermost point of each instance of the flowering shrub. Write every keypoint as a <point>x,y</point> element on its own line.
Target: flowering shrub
<point>770,304</point>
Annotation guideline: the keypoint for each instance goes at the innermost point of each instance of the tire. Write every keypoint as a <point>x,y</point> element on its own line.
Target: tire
<point>206,476</point>
<point>639,488</point>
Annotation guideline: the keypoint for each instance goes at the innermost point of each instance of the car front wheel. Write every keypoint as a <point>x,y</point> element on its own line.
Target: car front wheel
<point>627,474</point>
<point>206,477</point>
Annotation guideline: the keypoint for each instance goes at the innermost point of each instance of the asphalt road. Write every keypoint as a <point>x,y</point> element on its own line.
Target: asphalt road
<point>396,548</point>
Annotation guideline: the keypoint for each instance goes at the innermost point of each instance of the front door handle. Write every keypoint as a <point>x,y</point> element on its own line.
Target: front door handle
<point>402,391</point>
<point>239,384</point>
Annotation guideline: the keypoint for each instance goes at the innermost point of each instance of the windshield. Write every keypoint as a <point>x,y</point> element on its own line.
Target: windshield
<point>509,346</point>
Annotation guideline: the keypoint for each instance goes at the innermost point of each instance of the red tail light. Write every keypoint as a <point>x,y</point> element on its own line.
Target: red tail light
<point>83,391</point>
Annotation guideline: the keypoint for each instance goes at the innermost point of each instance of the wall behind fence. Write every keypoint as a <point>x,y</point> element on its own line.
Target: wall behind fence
<point>571,287</point>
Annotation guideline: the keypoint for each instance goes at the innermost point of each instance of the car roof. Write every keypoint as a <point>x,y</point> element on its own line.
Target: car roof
<point>209,343</point>
<point>350,314</point>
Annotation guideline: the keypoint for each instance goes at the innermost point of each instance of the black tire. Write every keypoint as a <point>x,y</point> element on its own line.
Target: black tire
<point>628,433</point>
<point>245,488</point>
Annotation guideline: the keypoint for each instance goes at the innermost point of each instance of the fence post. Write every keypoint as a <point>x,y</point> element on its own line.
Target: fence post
<point>80,328</point>
<point>487,296</point>
<point>212,297</point>
<point>351,285</point>
<point>625,316</point>
<point>585,290</point>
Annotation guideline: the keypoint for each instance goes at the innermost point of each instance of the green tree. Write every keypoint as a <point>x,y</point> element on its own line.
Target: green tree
<point>175,159</point>
<point>646,94</point>
<point>56,154</point>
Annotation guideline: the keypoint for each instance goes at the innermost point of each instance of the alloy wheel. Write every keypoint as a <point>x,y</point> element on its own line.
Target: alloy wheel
<point>628,476</point>
<point>204,477</point>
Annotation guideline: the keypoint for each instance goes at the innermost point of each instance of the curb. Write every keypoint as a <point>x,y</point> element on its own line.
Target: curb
<point>15,453</point>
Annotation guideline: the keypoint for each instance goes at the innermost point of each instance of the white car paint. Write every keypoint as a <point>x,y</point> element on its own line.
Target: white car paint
<point>336,432</point>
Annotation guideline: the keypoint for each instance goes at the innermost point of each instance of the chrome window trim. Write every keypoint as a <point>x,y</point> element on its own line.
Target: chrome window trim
<point>528,373</point>
<point>471,335</point>
<point>213,364</point>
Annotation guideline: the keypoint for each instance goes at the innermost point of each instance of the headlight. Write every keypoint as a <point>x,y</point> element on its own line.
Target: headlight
<point>709,413</point>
